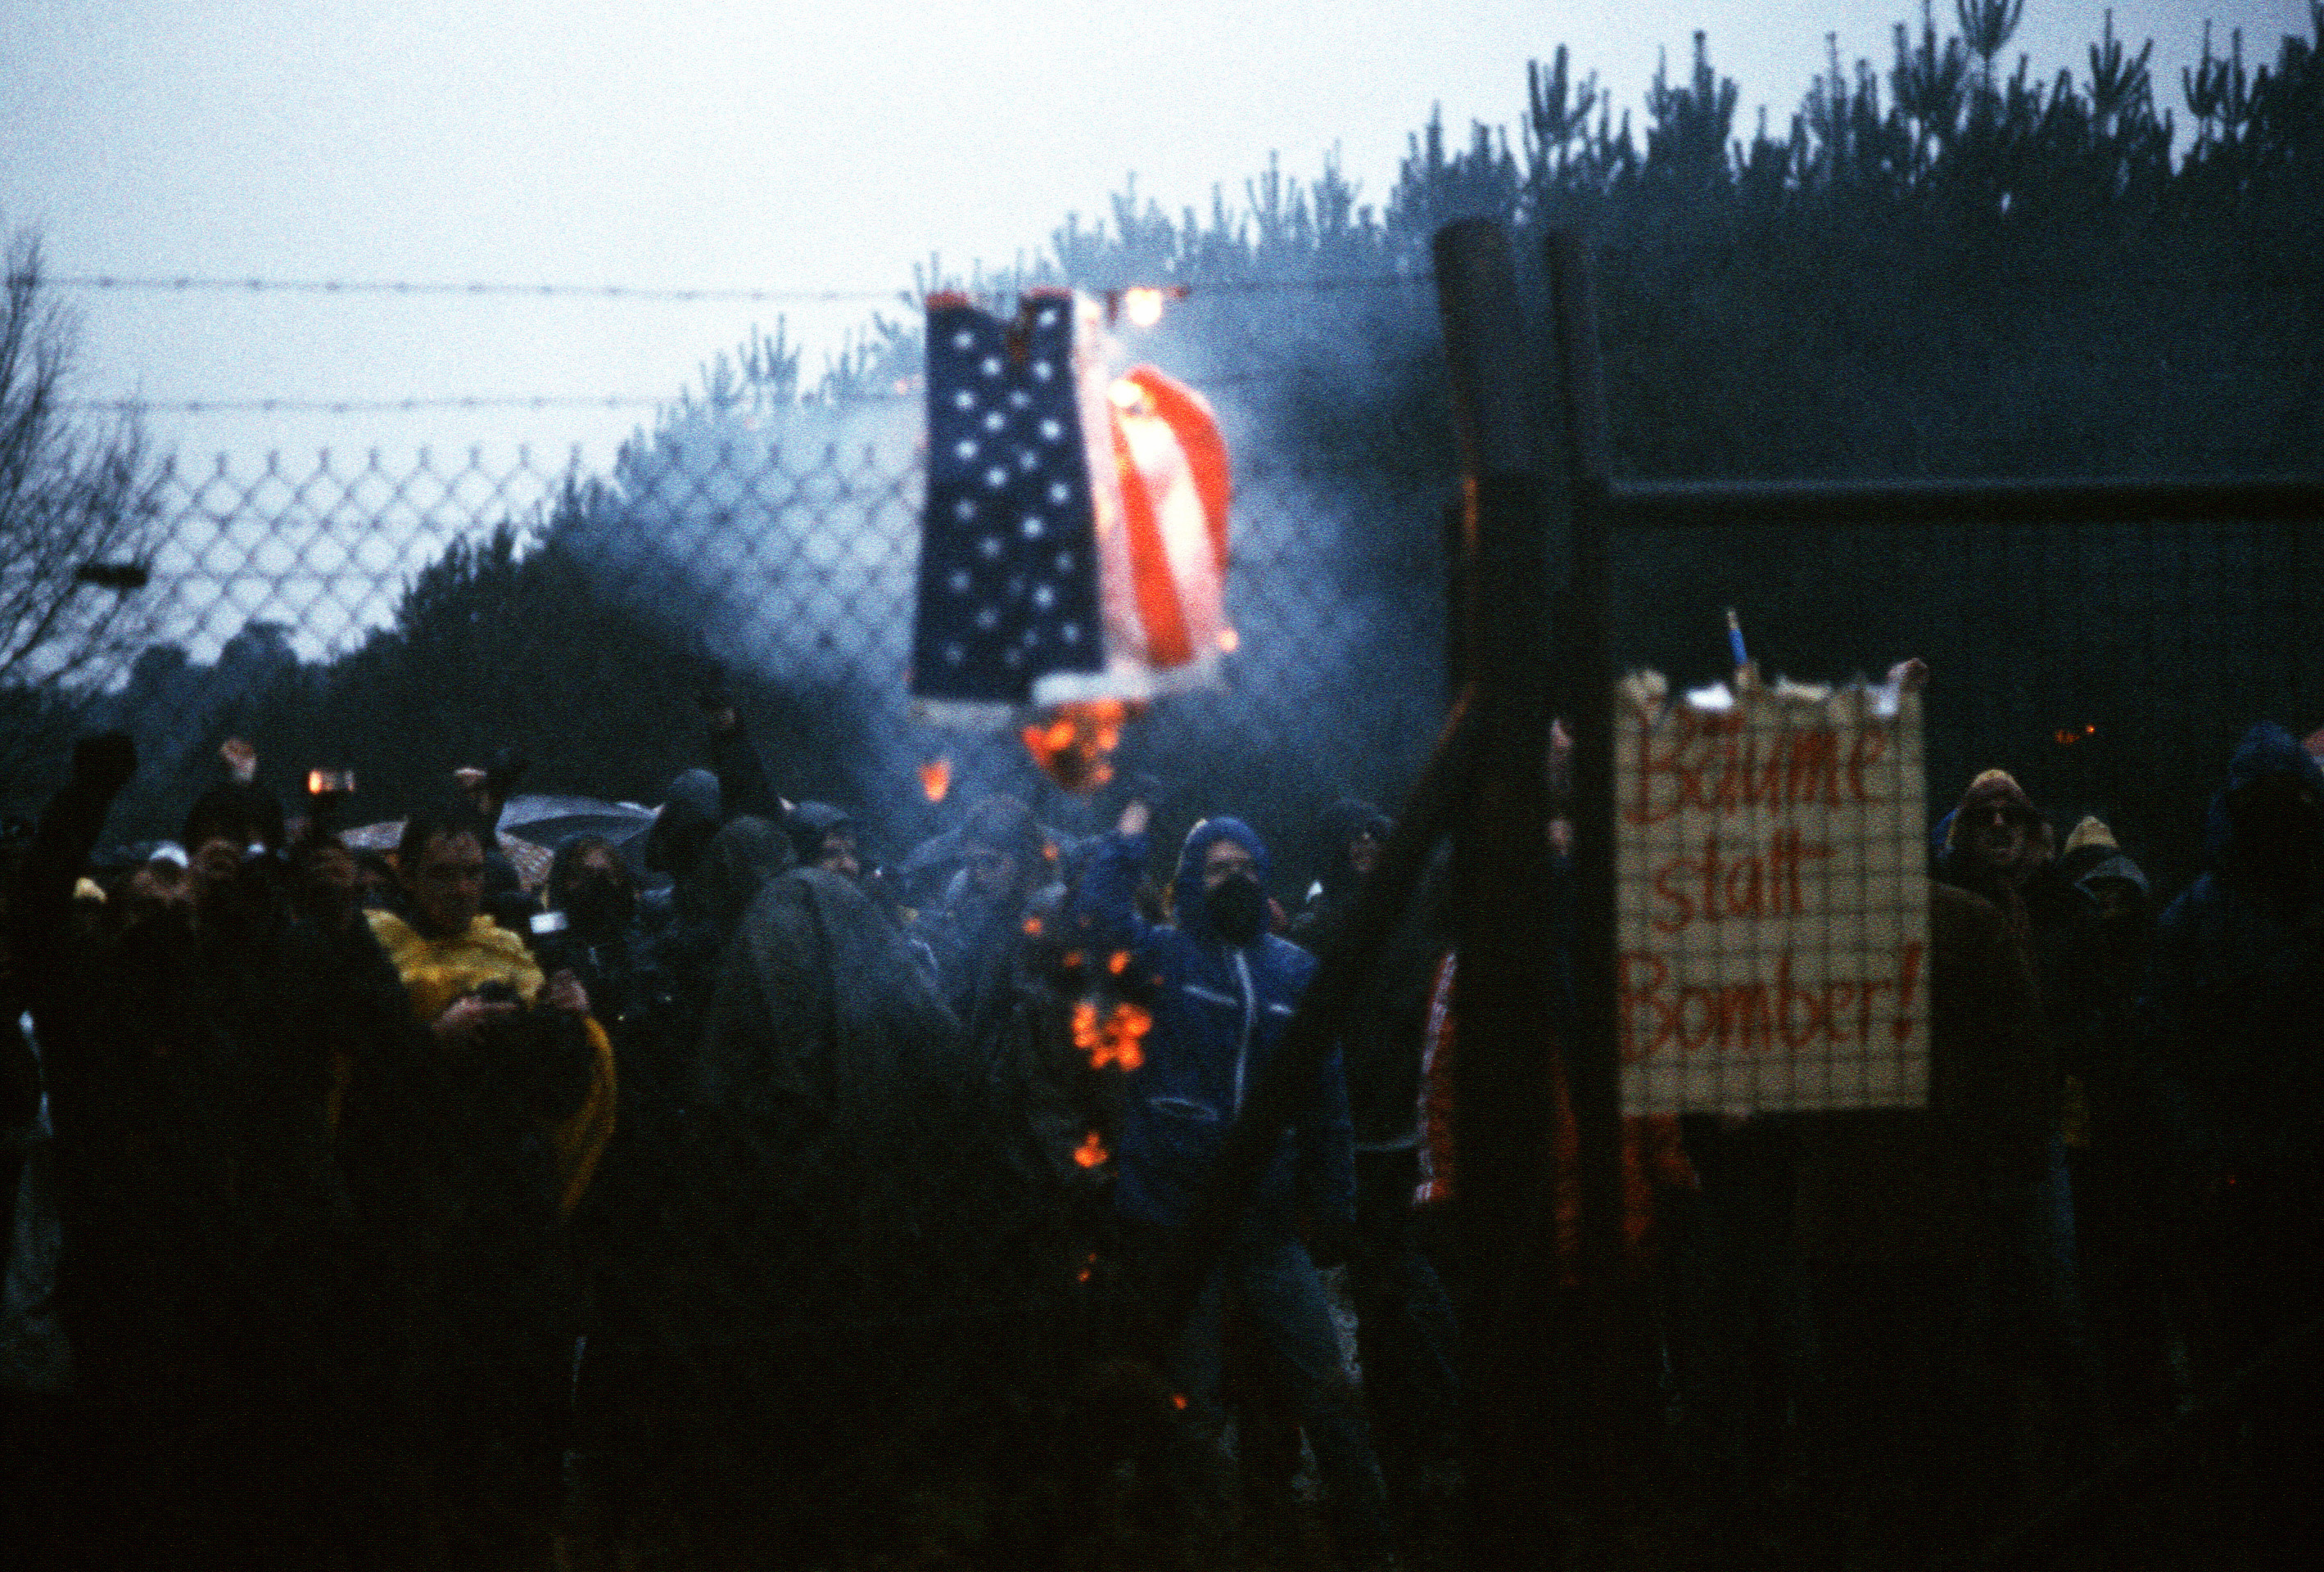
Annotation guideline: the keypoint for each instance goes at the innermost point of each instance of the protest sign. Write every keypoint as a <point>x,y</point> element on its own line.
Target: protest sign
<point>1772,900</point>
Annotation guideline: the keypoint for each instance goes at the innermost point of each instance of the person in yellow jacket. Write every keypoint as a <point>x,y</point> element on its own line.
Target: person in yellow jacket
<point>511,1106</point>
<point>467,977</point>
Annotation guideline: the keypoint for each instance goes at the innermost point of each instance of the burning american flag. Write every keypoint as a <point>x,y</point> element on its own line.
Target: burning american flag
<point>1074,543</point>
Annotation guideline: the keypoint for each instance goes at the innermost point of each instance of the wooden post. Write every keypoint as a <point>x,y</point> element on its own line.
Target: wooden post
<point>1512,501</point>
<point>1591,1046</point>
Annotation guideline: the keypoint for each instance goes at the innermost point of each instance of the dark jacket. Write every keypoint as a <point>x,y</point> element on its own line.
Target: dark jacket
<point>720,882</point>
<point>1218,1014</point>
<point>1381,1045</point>
<point>1947,1185</point>
<point>841,1088</point>
<point>208,1228</point>
<point>2230,1004</point>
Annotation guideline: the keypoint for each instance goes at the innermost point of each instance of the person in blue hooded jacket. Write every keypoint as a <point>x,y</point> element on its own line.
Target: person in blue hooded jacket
<point>1220,989</point>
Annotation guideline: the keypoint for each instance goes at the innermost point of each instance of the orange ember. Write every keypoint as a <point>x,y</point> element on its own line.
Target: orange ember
<point>1177,1399</point>
<point>1074,746</point>
<point>1090,1152</point>
<point>1116,961</point>
<point>1121,1042</point>
<point>1116,1040</point>
<point>1032,927</point>
<point>935,778</point>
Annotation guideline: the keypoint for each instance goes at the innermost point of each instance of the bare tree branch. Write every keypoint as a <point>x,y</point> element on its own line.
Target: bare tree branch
<point>75,492</point>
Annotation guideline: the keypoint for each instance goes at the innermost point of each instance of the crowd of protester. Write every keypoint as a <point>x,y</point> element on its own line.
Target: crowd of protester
<point>681,1206</point>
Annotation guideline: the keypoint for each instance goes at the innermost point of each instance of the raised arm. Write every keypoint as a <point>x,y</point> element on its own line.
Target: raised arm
<point>40,908</point>
<point>1103,910</point>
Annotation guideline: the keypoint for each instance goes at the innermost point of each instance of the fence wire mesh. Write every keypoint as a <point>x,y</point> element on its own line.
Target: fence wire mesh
<point>2113,664</point>
<point>403,618</point>
<point>277,588</point>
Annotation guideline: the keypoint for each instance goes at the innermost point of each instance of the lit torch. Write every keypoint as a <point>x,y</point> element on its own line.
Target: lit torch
<point>1090,1152</point>
<point>935,778</point>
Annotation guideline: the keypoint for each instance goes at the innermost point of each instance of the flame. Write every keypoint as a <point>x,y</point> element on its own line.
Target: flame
<point>1143,307</point>
<point>1032,927</point>
<point>1118,1039</point>
<point>1073,747</point>
<point>935,778</point>
<point>1090,1152</point>
<point>1177,1399</point>
<point>1117,961</point>
<point>1127,1029</point>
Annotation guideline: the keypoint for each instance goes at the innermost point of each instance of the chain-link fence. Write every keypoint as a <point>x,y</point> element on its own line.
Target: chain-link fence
<point>350,613</point>
<point>401,619</point>
<point>279,592</point>
<point>2110,667</point>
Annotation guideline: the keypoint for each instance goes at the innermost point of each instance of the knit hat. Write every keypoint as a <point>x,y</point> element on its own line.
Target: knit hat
<point>2092,832</point>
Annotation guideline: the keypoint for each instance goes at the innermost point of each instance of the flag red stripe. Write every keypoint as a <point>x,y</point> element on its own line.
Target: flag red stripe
<point>1190,420</point>
<point>1166,643</point>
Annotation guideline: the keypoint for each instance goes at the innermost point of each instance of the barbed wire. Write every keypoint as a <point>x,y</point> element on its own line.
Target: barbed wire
<point>354,405</point>
<point>567,401</point>
<point>191,284</point>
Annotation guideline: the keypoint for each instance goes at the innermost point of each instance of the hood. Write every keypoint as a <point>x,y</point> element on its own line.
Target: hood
<point>1990,787</point>
<point>810,823</point>
<point>1186,888</point>
<point>688,815</point>
<point>736,864</point>
<point>1339,824</point>
<point>2267,750</point>
<point>1958,863</point>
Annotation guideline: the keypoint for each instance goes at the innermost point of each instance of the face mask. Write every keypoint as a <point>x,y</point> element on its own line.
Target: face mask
<point>1237,909</point>
<point>598,904</point>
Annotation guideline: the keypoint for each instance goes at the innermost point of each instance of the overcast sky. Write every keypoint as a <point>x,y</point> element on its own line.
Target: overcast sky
<point>771,145</point>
